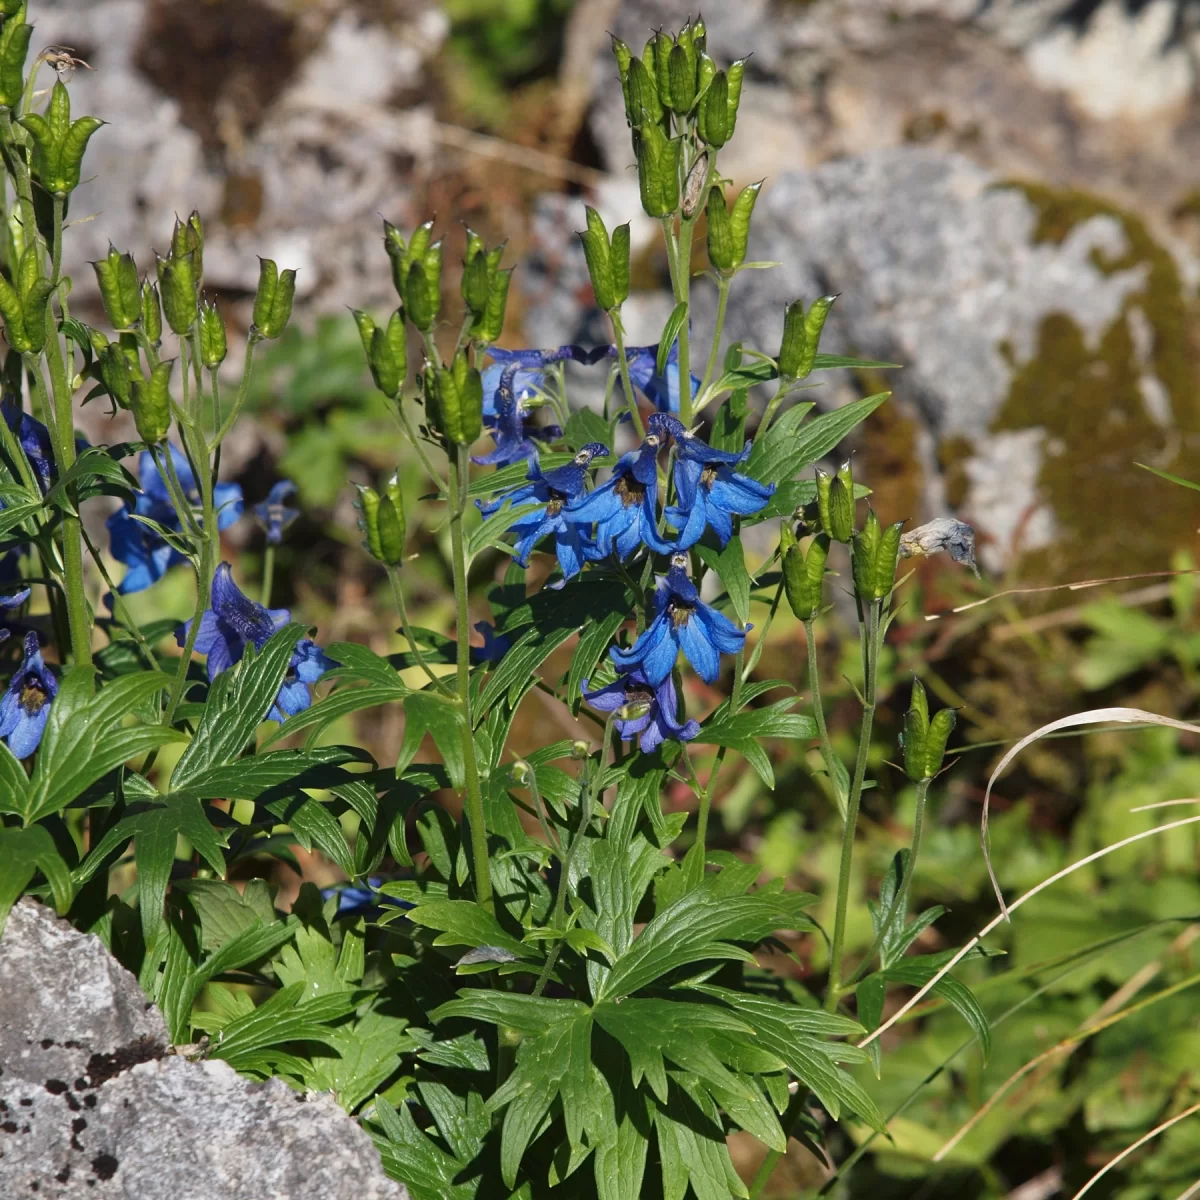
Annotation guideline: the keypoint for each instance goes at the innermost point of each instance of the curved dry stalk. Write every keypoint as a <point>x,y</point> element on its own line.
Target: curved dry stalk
<point>997,921</point>
<point>1146,1137</point>
<point>1190,1192</point>
<point>1093,716</point>
<point>1165,804</point>
<point>1065,1046</point>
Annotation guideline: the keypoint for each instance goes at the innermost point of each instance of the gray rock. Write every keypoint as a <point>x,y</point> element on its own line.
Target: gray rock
<point>92,1104</point>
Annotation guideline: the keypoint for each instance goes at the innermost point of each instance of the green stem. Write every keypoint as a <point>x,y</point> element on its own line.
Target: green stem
<point>791,1115</point>
<point>56,250</point>
<point>460,473</point>
<point>870,634</point>
<point>411,433</point>
<point>268,575</point>
<point>120,608</point>
<point>240,398</point>
<point>899,904</point>
<point>814,686</point>
<point>679,253</point>
<point>623,363</point>
<point>723,282</point>
<point>699,848</point>
<point>20,174</point>
<point>772,407</point>
<point>393,574</point>
<point>760,645</point>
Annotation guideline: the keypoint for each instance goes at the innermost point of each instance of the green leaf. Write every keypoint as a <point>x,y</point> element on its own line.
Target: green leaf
<point>825,362</point>
<point>14,785</point>
<point>464,923</point>
<point>743,732</point>
<point>428,712</point>
<point>95,472</point>
<point>283,1018</point>
<point>593,641</point>
<point>730,565</point>
<point>85,737</point>
<point>520,662</point>
<point>585,426</point>
<point>489,530</point>
<point>248,778</point>
<point>340,704</point>
<point>408,1154</point>
<point>237,704</point>
<point>918,971</point>
<point>526,1014</point>
<point>15,514</point>
<point>24,852</point>
<point>670,334</point>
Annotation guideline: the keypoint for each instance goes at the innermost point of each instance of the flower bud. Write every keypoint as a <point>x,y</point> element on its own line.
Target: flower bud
<point>177,282</point>
<point>151,313</point>
<point>151,403</point>
<point>658,171</point>
<point>272,300</point>
<point>14,47</point>
<point>58,142</point>
<point>876,551</point>
<point>804,573</point>
<point>212,336</point>
<point>383,522</point>
<point>120,292</point>
<point>521,772</point>
<point>580,749</point>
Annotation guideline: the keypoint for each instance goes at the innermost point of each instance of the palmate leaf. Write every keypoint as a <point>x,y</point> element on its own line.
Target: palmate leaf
<point>407,1153</point>
<point>24,852</point>
<point>464,923</point>
<point>692,1147</point>
<point>744,731</point>
<point>248,778</point>
<point>431,713</point>
<point>237,704</point>
<point>585,426</point>
<point>86,738</point>
<point>339,704</point>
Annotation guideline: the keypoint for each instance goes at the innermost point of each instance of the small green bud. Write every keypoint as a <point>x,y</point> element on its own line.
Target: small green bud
<point>178,285</point>
<point>876,551</point>
<point>14,48</point>
<point>58,142</point>
<point>642,103</point>
<point>151,313</point>
<point>916,732</point>
<point>120,292</point>
<point>522,772</point>
<point>151,403</point>
<point>384,522</point>
<point>804,573</point>
<point>795,340</point>
<point>488,328</point>
<point>580,749</point>
<point>658,171</point>
<point>115,373</point>
<point>212,336</point>
<point>272,300</point>
<point>713,123</point>
<point>841,505</point>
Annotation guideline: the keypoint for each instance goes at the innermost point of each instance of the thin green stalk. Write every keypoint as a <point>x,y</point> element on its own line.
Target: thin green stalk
<point>459,482</point>
<point>623,364</point>
<point>20,174</point>
<point>411,433</point>
<point>705,807</point>
<point>120,608</point>
<point>393,574</point>
<point>760,645</point>
<point>679,253</point>
<point>870,634</point>
<point>56,250</point>
<point>772,407</point>
<point>899,904</point>
<point>553,841</point>
<point>268,575</point>
<point>723,284</point>
<point>814,686</point>
<point>239,399</point>
<point>766,1169</point>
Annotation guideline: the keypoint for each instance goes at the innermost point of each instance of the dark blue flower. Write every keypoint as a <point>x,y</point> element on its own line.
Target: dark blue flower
<point>142,549</point>
<point>25,706</point>
<point>233,622</point>
<point>653,712</point>
<point>661,390</point>
<point>495,646</point>
<point>356,900</point>
<point>553,491</point>
<point>682,622</point>
<point>710,492</point>
<point>511,419</point>
<point>625,507</point>
<point>13,593</point>
<point>273,514</point>
<point>34,439</point>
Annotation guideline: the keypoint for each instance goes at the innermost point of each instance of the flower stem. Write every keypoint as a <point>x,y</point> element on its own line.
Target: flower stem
<point>239,399</point>
<point>814,686</point>
<point>623,363</point>
<point>268,575</point>
<point>393,574</point>
<point>772,407</point>
<point>871,631</point>
<point>460,472</point>
<point>723,282</point>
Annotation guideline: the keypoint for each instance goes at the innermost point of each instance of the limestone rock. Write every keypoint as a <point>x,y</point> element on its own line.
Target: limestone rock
<point>93,1105</point>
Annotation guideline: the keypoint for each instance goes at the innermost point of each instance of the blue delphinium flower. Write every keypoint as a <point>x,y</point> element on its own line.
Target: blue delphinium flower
<point>625,507</point>
<point>34,439</point>
<point>495,646</point>
<point>653,712</point>
<point>139,547</point>
<point>272,514</point>
<point>233,622</point>
<point>355,900</point>
<point>710,492</point>
<point>510,420</point>
<point>682,622</point>
<point>553,491</point>
<point>25,706</point>
<point>661,390</point>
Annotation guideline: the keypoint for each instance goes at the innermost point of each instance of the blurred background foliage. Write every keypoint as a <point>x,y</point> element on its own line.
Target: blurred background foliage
<point>1099,945</point>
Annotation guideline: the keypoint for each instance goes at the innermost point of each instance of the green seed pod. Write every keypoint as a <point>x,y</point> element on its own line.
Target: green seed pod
<point>706,69</point>
<point>397,252</point>
<point>694,186</point>
<point>658,171</point>
<point>795,341</point>
<point>916,732</point>
<point>841,505</point>
<point>416,297</point>
<point>699,34</point>
<point>469,384</point>
<point>212,336</point>
<point>663,44</point>
<point>151,313</point>
<point>681,74</point>
<point>272,300</point>
<point>384,522</point>
<point>476,276</point>
<point>395,338</point>
<point>14,317</point>
<point>178,285</point>
<point>624,57</point>
<point>59,143</point>
<point>804,575</point>
<point>642,103</point>
<point>422,236</point>
<point>115,374</point>
<point>940,729</point>
<point>876,552</point>
<point>824,493</point>
<point>712,117</point>
<point>721,252</point>
<point>14,48</point>
<point>120,292</point>
<point>735,75</point>
<point>33,291</point>
<point>814,323</point>
<point>619,261</point>
<point>379,346</point>
<point>598,254</point>
<point>739,218</point>
<point>151,403</point>
<point>490,326</point>
<point>195,242</point>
